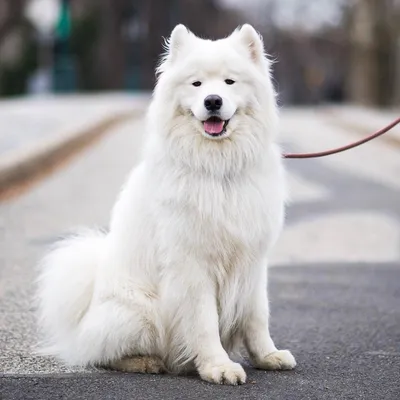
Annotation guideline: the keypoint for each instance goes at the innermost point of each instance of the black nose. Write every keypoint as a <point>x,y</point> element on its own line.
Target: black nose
<point>213,102</point>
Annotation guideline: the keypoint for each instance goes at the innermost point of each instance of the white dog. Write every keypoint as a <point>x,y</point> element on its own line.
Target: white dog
<point>180,281</point>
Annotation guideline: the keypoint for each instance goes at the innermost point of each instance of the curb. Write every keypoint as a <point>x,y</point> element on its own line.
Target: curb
<point>342,122</point>
<point>24,165</point>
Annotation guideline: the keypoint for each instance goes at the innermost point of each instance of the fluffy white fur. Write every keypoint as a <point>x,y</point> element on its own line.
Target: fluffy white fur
<point>180,280</point>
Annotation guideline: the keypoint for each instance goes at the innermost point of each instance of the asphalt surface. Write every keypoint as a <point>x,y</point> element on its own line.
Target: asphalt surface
<point>334,280</point>
<point>342,325</point>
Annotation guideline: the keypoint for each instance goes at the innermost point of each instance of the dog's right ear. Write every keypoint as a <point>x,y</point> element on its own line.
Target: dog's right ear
<point>179,37</point>
<point>173,46</point>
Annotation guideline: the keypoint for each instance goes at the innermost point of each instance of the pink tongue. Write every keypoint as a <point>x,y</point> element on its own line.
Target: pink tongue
<point>213,127</point>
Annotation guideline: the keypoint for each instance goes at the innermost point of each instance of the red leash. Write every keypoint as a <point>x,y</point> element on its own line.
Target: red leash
<point>344,148</point>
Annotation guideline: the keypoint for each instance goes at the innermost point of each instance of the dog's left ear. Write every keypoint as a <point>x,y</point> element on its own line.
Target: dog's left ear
<point>249,37</point>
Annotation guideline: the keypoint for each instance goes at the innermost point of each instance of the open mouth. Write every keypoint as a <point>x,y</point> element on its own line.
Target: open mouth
<point>215,126</point>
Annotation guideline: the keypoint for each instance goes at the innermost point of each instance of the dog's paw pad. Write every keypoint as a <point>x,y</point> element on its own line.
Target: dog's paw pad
<point>224,374</point>
<point>278,360</point>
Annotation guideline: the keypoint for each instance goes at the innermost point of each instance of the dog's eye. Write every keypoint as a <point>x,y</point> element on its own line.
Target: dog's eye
<point>197,83</point>
<point>229,81</point>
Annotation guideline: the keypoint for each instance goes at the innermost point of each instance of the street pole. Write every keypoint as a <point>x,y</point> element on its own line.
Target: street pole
<point>64,67</point>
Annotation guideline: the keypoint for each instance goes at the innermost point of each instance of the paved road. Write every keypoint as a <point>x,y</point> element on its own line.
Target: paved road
<point>335,276</point>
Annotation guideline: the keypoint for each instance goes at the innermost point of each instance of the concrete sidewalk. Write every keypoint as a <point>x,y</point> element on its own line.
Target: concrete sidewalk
<point>35,130</point>
<point>365,120</point>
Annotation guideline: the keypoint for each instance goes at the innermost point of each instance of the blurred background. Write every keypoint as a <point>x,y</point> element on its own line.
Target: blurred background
<point>327,50</point>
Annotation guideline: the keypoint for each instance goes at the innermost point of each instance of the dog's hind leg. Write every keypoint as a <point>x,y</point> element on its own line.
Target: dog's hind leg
<point>140,364</point>
<point>110,331</point>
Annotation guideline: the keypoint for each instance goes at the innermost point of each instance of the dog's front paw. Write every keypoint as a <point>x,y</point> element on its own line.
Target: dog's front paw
<point>228,373</point>
<point>281,359</point>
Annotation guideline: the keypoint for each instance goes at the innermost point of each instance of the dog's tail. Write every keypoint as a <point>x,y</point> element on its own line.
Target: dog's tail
<point>65,287</point>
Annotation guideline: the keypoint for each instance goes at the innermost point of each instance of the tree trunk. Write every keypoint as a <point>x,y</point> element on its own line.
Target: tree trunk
<point>373,53</point>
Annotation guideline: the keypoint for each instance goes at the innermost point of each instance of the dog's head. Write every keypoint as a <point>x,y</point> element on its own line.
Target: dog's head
<point>212,91</point>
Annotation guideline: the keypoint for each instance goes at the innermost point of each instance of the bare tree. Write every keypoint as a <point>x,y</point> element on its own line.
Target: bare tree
<point>374,36</point>
<point>13,12</point>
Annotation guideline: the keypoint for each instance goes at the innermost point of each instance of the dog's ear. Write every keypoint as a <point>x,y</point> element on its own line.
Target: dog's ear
<point>249,37</point>
<point>178,39</point>
<point>173,47</point>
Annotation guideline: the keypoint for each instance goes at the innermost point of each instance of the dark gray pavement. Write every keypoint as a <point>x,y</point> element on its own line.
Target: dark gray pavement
<point>341,322</point>
<point>334,278</point>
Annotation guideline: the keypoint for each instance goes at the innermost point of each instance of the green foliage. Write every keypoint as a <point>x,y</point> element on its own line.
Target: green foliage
<point>83,42</point>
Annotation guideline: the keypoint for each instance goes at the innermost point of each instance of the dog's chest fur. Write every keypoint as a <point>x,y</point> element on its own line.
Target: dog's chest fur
<point>229,223</point>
